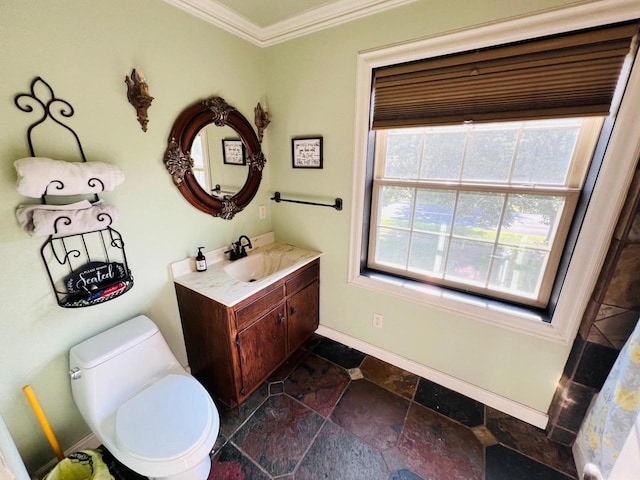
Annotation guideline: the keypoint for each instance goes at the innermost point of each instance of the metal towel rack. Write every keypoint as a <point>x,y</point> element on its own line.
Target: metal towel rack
<point>85,268</point>
<point>337,204</point>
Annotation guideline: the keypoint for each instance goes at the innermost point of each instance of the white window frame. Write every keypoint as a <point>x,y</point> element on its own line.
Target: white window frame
<point>570,191</point>
<point>206,166</point>
<point>606,201</point>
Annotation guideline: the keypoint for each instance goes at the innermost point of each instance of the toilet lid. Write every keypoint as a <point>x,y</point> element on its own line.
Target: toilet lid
<point>165,420</point>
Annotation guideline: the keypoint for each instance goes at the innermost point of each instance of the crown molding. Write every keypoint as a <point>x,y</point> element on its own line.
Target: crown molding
<point>221,16</point>
<point>326,16</point>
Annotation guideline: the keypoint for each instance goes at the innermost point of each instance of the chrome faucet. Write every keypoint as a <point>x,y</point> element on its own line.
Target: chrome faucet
<point>238,249</point>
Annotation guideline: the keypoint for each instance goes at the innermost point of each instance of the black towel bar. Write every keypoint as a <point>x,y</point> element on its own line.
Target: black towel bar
<point>337,205</point>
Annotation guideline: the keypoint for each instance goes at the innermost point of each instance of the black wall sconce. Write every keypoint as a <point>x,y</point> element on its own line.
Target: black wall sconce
<point>138,95</point>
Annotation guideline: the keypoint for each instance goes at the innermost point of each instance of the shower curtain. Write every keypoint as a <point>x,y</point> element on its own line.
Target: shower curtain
<point>614,410</point>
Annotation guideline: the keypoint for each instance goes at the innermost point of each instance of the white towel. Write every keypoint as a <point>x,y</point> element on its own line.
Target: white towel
<point>38,176</point>
<point>79,217</point>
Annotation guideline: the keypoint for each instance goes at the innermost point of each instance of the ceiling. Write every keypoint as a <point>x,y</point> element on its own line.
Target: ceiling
<point>267,22</point>
<point>264,12</point>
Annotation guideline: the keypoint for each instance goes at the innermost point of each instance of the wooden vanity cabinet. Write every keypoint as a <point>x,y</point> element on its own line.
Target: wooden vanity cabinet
<point>232,350</point>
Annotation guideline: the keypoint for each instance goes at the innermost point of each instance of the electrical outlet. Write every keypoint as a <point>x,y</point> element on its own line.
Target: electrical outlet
<point>262,212</point>
<point>377,320</point>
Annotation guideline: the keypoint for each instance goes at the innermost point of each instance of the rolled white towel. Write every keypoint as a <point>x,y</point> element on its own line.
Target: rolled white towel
<point>79,217</point>
<point>38,176</point>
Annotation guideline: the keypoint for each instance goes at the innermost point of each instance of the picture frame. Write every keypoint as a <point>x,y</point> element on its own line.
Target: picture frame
<point>306,152</point>
<point>233,152</point>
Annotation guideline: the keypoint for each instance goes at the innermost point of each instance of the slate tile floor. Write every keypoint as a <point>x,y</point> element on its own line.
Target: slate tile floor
<point>332,412</point>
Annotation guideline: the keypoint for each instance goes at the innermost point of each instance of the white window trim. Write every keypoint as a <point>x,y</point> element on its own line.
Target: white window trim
<point>606,202</point>
<point>569,190</point>
<point>206,165</point>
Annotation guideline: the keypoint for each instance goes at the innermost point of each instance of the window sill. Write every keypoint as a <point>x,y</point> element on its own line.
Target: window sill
<point>521,319</point>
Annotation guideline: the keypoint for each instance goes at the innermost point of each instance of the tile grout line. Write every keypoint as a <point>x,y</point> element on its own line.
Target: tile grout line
<point>306,451</point>
<point>315,436</point>
<point>325,419</point>
<point>484,447</point>
<point>250,458</point>
<point>269,395</point>
<point>409,401</point>
<point>232,434</point>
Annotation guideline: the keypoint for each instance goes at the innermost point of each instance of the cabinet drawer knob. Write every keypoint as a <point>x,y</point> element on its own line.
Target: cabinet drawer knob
<point>280,318</point>
<point>292,310</point>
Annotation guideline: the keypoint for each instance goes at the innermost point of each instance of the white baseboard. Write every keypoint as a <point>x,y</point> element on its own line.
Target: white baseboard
<point>90,441</point>
<point>503,404</point>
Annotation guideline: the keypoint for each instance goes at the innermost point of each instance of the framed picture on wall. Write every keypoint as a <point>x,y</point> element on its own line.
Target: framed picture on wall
<point>233,152</point>
<point>306,152</point>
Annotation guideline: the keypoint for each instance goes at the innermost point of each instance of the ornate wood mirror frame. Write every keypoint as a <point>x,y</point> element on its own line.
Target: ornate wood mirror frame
<point>178,161</point>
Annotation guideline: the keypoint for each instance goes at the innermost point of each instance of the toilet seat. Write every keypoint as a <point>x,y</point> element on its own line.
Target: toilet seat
<point>165,420</point>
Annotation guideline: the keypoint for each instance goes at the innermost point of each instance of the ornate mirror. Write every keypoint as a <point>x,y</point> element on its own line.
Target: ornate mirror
<point>205,190</point>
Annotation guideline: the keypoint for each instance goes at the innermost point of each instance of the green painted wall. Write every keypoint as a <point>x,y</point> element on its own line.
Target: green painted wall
<point>84,50</point>
<point>311,87</point>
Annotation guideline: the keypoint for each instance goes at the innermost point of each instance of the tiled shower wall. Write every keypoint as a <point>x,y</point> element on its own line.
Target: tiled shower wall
<point>613,310</point>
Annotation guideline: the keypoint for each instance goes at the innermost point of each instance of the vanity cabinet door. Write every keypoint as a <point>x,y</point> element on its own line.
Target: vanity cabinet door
<point>233,349</point>
<point>302,309</point>
<point>262,347</point>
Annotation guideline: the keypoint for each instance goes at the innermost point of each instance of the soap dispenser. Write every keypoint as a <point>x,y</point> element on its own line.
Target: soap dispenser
<point>201,261</point>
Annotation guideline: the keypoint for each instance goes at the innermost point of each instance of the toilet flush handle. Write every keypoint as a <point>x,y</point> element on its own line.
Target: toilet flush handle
<point>75,373</point>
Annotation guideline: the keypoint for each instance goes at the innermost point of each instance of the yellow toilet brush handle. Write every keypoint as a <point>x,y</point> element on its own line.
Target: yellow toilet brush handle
<point>44,423</point>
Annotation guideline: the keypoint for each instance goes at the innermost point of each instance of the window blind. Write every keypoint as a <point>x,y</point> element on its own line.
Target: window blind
<point>567,75</point>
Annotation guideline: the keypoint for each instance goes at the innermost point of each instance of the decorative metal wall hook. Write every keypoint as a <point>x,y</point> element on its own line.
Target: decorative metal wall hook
<point>138,95</point>
<point>261,120</point>
<point>51,107</point>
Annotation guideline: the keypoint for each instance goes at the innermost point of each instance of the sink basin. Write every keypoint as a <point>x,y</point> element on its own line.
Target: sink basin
<point>258,266</point>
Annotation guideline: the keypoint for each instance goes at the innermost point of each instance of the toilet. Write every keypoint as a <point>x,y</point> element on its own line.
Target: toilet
<point>144,407</point>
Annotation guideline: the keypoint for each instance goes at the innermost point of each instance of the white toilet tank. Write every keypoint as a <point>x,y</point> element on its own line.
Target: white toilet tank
<point>113,366</point>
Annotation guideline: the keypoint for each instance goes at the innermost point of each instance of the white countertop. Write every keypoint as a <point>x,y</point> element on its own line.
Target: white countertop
<point>217,284</point>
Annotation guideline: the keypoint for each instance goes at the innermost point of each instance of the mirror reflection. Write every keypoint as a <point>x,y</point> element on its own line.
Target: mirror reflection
<point>219,160</point>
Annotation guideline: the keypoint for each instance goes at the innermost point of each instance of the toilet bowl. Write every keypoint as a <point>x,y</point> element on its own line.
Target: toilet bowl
<point>142,404</point>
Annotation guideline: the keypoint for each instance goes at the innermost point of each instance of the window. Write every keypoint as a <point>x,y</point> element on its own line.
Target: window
<point>200,156</point>
<point>600,203</point>
<point>479,207</point>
